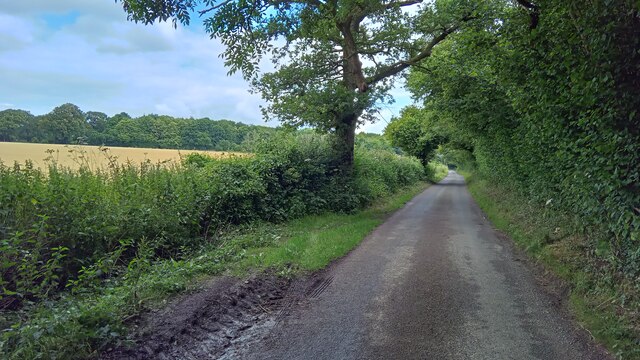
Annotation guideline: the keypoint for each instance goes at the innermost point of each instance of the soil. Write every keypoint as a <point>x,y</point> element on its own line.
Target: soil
<point>220,320</point>
<point>209,323</point>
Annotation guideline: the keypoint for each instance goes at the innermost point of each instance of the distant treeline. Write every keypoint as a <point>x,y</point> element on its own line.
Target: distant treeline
<point>67,124</point>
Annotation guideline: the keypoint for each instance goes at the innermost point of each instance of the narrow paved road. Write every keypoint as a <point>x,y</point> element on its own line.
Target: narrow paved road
<point>433,282</point>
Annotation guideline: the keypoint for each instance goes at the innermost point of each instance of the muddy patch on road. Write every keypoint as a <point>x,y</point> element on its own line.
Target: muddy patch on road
<point>214,323</point>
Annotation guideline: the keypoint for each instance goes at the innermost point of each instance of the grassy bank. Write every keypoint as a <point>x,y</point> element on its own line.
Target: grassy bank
<point>80,324</point>
<point>604,301</point>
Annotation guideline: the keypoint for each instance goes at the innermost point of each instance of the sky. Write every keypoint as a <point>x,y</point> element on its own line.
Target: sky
<point>86,52</point>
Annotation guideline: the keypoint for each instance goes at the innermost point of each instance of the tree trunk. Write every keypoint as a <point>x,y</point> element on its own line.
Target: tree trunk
<point>344,141</point>
<point>353,80</point>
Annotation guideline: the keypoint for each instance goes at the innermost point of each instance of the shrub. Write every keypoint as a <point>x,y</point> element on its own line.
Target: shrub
<point>69,228</point>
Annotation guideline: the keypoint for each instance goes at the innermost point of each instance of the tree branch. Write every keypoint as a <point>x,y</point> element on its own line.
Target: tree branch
<point>402,3</point>
<point>375,52</point>
<point>527,4</point>
<point>316,3</point>
<point>214,7</point>
<point>403,64</point>
<point>353,75</point>
<point>359,16</point>
<point>534,12</point>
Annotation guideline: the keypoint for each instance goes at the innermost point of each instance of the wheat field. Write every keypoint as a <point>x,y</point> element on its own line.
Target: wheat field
<point>95,157</point>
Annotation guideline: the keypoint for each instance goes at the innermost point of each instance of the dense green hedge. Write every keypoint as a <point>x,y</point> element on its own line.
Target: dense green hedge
<point>72,227</point>
<point>552,110</point>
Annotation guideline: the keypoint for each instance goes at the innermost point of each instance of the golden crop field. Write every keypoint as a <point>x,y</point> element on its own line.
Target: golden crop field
<point>73,156</point>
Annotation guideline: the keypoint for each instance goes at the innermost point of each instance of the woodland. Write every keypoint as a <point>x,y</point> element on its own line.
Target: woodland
<point>68,124</point>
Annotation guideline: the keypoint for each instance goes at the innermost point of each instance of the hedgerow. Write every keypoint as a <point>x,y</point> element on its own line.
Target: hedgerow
<point>69,229</point>
<point>543,104</point>
<point>552,111</point>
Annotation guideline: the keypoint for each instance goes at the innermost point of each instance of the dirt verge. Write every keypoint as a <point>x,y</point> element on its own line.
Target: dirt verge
<point>211,323</point>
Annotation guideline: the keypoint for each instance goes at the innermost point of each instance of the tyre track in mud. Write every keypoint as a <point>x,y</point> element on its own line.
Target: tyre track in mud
<point>209,323</point>
<point>227,316</point>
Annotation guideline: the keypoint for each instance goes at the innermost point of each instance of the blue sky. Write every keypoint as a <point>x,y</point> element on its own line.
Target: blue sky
<point>87,53</point>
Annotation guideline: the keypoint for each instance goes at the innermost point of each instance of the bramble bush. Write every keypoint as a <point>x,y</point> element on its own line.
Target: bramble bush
<point>67,229</point>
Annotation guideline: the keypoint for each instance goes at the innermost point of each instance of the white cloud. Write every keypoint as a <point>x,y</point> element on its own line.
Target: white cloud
<point>99,61</point>
<point>15,32</point>
<point>102,62</point>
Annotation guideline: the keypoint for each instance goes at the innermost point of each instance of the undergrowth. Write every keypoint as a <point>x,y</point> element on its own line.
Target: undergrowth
<point>66,229</point>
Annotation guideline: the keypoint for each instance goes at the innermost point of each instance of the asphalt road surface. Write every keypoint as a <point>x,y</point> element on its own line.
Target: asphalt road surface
<point>435,281</point>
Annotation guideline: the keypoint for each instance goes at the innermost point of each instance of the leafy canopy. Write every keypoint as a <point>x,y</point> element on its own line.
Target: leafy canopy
<point>416,133</point>
<point>331,58</point>
<point>547,101</point>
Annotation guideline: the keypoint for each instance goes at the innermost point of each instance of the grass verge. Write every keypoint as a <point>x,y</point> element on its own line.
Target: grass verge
<point>79,325</point>
<point>604,302</point>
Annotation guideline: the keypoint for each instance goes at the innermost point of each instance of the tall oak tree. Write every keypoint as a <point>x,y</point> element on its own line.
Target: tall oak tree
<point>334,61</point>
